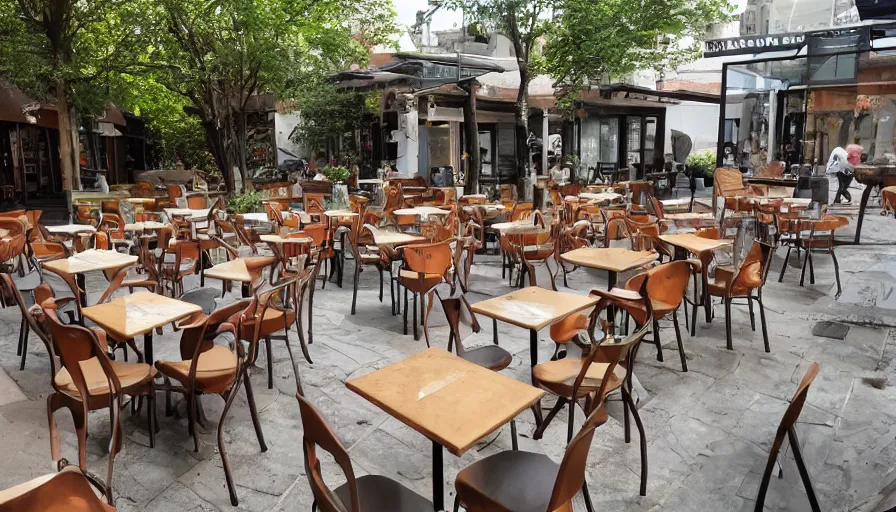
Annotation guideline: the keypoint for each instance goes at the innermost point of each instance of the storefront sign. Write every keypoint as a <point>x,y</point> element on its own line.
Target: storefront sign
<point>749,45</point>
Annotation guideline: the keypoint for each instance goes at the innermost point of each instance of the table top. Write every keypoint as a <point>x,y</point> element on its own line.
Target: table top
<point>89,261</point>
<point>139,313</point>
<point>422,211</point>
<point>613,259</point>
<point>392,238</point>
<point>688,216</point>
<point>602,196</point>
<point>533,307</point>
<point>140,226</point>
<point>487,206</point>
<point>256,217</point>
<point>340,213</point>
<point>71,229</point>
<point>370,181</point>
<point>450,401</point>
<point>186,212</point>
<point>142,200</point>
<point>277,239</point>
<point>693,243</point>
<point>518,227</point>
<point>243,270</point>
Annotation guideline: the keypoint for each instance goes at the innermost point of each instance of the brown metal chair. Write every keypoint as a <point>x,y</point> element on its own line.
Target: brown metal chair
<point>524,481</point>
<point>364,255</point>
<point>69,490</point>
<point>178,262</point>
<point>787,427</point>
<point>741,283</point>
<point>209,368</point>
<point>90,381</point>
<point>375,492</point>
<point>425,267</point>
<point>818,235</point>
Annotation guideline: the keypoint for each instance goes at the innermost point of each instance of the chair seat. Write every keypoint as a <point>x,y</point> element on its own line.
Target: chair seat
<point>66,491</point>
<point>129,374</point>
<point>510,480</point>
<point>272,322</point>
<point>491,357</point>
<point>215,370</point>
<point>381,494</point>
<point>558,376</point>
<point>410,280</point>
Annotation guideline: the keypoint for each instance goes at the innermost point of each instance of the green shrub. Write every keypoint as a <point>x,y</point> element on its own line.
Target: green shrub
<point>702,163</point>
<point>248,202</point>
<point>336,174</point>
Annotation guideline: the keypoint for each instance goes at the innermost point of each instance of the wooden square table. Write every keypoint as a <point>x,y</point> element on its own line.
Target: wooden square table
<point>454,403</point>
<point>611,259</point>
<point>422,211</point>
<point>71,229</point>
<point>132,315</point>
<point>381,237</point>
<point>243,270</point>
<point>700,247</point>
<point>72,269</point>
<point>532,308</point>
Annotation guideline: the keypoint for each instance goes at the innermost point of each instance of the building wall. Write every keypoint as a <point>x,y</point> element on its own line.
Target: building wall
<point>284,124</point>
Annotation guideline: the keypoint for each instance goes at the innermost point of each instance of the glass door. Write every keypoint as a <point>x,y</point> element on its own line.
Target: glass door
<point>634,146</point>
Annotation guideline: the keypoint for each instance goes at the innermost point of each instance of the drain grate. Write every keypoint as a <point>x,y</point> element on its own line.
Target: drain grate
<point>832,330</point>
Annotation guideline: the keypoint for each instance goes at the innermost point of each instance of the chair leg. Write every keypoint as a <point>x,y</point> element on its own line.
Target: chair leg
<point>572,418</point>
<point>381,283</point>
<point>405,330</point>
<point>253,411</point>
<point>416,334</point>
<point>21,331</point>
<point>752,316</point>
<point>811,267</point>
<point>231,488</point>
<point>547,420</point>
<point>355,285</point>
<point>270,357</point>
<point>695,308</point>
<point>625,421</point>
<point>424,312</point>
<point>657,341</point>
<point>762,320</point>
<point>786,260</point>
<point>456,503</point>
<point>151,414</point>
<point>191,419</point>
<point>836,273</point>
<point>684,360</point>
<point>801,466</point>
<point>803,272</point>
<point>626,396</point>
<point>24,335</point>
<point>730,345</point>
<point>587,496</point>
<point>514,443</point>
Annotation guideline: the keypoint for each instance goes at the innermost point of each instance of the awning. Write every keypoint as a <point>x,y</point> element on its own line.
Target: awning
<point>16,107</point>
<point>112,115</point>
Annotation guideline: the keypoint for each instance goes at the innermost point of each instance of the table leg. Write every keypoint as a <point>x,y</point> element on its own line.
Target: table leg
<point>865,195</point>
<point>81,279</point>
<point>147,348</point>
<point>438,477</point>
<point>533,359</point>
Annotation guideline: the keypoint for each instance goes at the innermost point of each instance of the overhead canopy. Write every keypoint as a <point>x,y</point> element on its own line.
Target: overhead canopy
<point>16,107</point>
<point>418,71</point>
<point>112,115</point>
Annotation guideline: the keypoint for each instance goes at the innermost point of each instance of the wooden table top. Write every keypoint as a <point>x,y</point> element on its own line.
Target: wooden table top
<point>71,229</point>
<point>140,226</point>
<point>422,211</point>
<point>450,401</point>
<point>392,238</point>
<point>601,196</point>
<point>143,200</point>
<point>139,313</point>
<point>186,212</point>
<point>340,213</point>
<point>693,243</point>
<point>688,216</point>
<point>243,270</point>
<point>614,259</point>
<point>277,239</point>
<point>518,227</point>
<point>487,206</point>
<point>89,261</point>
<point>256,217</point>
<point>533,307</point>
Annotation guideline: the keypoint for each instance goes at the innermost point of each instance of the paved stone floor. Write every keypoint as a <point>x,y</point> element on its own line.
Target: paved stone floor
<point>708,430</point>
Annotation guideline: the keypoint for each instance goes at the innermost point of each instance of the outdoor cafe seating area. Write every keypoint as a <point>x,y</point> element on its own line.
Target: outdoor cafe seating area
<point>685,261</point>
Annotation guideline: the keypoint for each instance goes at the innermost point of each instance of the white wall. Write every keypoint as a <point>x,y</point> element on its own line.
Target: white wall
<point>284,124</point>
<point>698,120</point>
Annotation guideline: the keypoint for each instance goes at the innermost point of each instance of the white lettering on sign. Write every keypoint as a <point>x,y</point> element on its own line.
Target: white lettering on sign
<point>747,44</point>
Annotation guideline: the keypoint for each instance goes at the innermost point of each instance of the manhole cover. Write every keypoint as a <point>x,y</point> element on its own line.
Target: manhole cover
<point>830,330</point>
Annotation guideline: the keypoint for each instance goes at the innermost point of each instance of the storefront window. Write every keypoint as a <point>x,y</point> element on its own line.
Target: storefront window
<point>599,143</point>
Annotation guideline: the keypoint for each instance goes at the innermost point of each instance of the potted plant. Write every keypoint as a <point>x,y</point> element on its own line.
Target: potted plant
<point>247,202</point>
<point>338,176</point>
<point>702,164</point>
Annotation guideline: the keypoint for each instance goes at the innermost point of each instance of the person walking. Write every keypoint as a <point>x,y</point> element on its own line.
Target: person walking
<point>841,164</point>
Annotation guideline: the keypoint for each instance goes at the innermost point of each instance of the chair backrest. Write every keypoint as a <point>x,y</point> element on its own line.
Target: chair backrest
<point>174,192</point>
<point>726,183</point>
<point>571,475</point>
<point>55,491</point>
<point>462,321</point>
<point>319,434</point>
<point>616,229</point>
<point>9,290</point>
<point>202,297</point>
<point>394,197</point>
<point>434,258</point>
<point>666,283</point>
<point>12,244</point>
<point>656,207</point>
<point>521,211</point>
<point>197,202</point>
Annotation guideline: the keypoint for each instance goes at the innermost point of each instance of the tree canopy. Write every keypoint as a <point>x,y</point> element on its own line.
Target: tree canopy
<point>597,39</point>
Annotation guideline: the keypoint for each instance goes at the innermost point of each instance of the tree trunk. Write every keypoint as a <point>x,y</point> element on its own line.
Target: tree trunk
<point>471,138</point>
<point>66,151</point>
<point>243,141</point>
<point>218,148</point>
<point>522,129</point>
